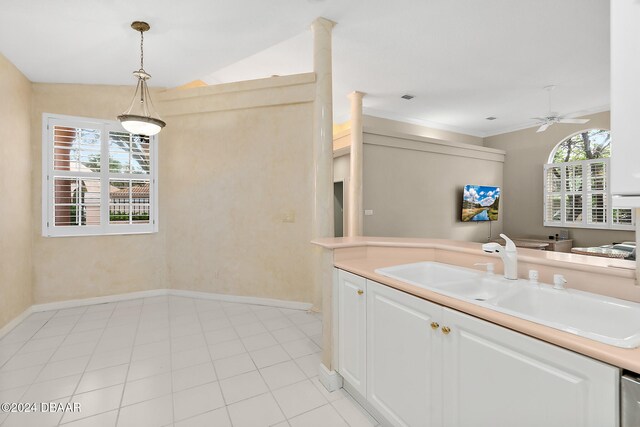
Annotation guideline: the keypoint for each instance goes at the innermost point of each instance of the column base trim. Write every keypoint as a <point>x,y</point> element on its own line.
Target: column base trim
<point>331,380</point>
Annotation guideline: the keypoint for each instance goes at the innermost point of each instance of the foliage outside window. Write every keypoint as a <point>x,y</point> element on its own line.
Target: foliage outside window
<point>576,184</point>
<point>97,178</point>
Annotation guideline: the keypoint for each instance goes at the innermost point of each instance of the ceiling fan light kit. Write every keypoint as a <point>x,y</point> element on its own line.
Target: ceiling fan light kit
<point>553,118</point>
<point>141,118</point>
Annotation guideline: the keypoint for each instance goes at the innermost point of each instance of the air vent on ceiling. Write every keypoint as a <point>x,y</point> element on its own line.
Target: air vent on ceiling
<point>407,96</point>
<point>491,118</point>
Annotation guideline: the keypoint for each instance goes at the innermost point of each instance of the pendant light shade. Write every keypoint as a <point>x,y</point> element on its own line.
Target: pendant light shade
<point>141,118</point>
<point>141,125</point>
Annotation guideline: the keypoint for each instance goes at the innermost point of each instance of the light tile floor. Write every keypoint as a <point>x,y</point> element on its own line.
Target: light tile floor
<point>172,361</point>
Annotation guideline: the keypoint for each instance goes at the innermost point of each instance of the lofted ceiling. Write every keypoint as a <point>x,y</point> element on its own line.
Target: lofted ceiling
<point>463,60</point>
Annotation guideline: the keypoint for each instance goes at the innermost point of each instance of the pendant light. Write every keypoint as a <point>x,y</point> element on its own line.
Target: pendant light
<point>141,118</point>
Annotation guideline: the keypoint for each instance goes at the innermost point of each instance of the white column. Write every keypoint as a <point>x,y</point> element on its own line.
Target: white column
<point>323,173</point>
<point>355,210</point>
<point>323,129</point>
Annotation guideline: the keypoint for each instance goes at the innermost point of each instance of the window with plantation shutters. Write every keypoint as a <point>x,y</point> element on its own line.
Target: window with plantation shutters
<point>97,178</point>
<point>576,189</point>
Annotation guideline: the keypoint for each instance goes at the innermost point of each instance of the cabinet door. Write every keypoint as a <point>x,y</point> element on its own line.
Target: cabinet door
<point>403,355</point>
<point>352,329</point>
<point>495,377</point>
<point>625,86</point>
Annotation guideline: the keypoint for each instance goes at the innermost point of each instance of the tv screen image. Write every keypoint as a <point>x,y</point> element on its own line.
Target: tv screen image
<point>480,203</point>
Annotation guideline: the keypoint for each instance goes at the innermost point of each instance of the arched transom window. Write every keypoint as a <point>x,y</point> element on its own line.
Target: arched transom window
<point>576,187</point>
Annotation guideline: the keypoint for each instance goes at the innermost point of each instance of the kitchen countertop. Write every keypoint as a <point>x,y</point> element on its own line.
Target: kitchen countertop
<point>559,259</point>
<point>366,265</point>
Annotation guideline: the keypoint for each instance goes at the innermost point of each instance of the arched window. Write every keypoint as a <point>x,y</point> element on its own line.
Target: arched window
<point>576,190</point>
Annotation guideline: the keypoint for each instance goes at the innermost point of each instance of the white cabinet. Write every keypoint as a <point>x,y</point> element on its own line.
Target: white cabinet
<point>625,108</point>
<point>401,353</point>
<point>422,365</point>
<point>497,377</point>
<point>352,329</point>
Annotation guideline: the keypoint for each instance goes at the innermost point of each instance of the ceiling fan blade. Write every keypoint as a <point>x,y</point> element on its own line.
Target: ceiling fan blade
<point>540,119</point>
<point>543,127</point>
<point>575,121</point>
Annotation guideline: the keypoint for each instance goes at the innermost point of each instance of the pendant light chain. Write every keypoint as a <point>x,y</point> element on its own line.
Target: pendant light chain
<point>140,79</point>
<point>142,50</point>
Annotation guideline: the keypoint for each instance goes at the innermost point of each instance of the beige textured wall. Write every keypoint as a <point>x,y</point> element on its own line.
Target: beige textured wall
<point>234,195</point>
<point>419,194</point>
<point>523,201</point>
<point>238,199</point>
<point>341,168</point>
<point>15,207</point>
<point>82,267</point>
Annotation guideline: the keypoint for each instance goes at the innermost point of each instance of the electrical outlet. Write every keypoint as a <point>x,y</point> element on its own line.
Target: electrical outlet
<point>368,212</point>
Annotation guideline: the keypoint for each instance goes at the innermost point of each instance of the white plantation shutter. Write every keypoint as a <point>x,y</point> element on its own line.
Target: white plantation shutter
<point>623,218</point>
<point>576,194</point>
<point>97,178</point>
<point>597,200</point>
<point>553,194</point>
<point>75,175</point>
<point>573,180</point>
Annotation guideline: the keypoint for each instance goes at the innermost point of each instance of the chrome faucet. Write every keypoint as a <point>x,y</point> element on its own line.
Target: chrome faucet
<point>508,254</point>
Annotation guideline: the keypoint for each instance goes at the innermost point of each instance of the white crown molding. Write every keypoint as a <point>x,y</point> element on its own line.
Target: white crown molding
<point>472,132</point>
<point>425,123</point>
<point>344,151</point>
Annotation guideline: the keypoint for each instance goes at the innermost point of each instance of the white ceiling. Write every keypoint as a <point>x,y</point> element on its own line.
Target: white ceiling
<point>464,60</point>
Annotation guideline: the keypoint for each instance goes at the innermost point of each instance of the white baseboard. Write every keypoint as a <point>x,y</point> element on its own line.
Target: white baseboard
<point>380,419</point>
<point>15,321</point>
<point>60,305</point>
<point>331,380</point>
<point>294,305</point>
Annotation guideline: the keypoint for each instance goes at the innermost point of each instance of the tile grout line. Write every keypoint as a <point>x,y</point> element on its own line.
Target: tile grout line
<point>124,383</point>
<point>49,359</point>
<point>129,365</point>
<point>269,388</point>
<point>14,355</point>
<point>221,308</point>
<point>23,343</point>
<point>213,365</point>
<point>169,318</point>
<point>73,394</point>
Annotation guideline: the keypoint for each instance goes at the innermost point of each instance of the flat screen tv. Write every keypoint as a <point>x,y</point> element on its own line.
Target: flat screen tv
<point>480,203</point>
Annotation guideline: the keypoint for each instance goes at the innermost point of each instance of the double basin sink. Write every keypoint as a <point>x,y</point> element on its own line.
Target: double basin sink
<point>608,320</point>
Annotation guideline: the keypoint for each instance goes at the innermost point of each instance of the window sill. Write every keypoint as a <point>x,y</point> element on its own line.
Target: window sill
<point>101,233</point>
<point>593,227</point>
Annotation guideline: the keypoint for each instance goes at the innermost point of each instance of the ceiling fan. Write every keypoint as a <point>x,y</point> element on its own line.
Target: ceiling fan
<point>553,118</point>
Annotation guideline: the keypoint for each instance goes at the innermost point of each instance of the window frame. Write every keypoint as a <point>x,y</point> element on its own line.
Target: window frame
<point>584,192</point>
<point>50,120</point>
